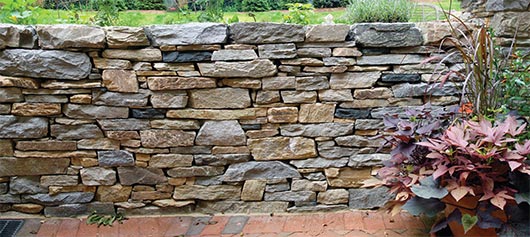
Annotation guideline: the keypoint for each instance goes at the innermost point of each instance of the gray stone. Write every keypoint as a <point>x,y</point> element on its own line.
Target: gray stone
<point>508,23</point>
<point>173,100</point>
<point>140,55</point>
<point>123,37</point>
<point>220,98</point>
<point>352,113</point>
<point>153,210</point>
<point>369,124</point>
<point>209,181</point>
<point>390,59</point>
<point>119,99</point>
<point>386,34</point>
<point>26,185</point>
<point>380,113</point>
<point>317,176</point>
<point>115,158</point>
<point>317,130</point>
<point>317,208</point>
<point>5,108</point>
<point>187,34</point>
<point>123,124</point>
<point>327,33</point>
<point>31,166</point>
<point>59,199</point>
<point>278,83</point>
<point>46,99</point>
<point>10,198</point>
<point>410,90</point>
<point>94,112</point>
<point>358,141</point>
<point>334,152</point>
<point>256,170</point>
<point>70,36</point>
<point>18,36</point>
<point>217,192</point>
<point>96,176</point>
<point>254,69</point>
<point>291,196</point>
<point>182,57</point>
<point>266,33</point>
<point>23,127</point>
<point>368,160</point>
<point>354,80</point>
<point>170,124</point>
<point>221,159</point>
<point>394,77</point>
<point>138,175</point>
<point>196,171</point>
<point>241,207</point>
<point>66,132</point>
<point>234,55</point>
<point>369,198</point>
<point>3,188</point>
<point>336,61</point>
<point>148,113</point>
<point>312,83</point>
<point>11,94</point>
<point>271,188</point>
<point>320,163</point>
<point>507,5</point>
<point>277,51</point>
<point>53,64</point>
<point>73,210</point>
<point>268,97</point>
<point>221,133</point>
<point>314,52</point>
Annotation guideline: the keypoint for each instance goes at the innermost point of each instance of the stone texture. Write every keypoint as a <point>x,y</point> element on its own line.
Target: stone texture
<point>28,208</point>
<point>17,36</point>
<point>31,166</point>
<point>314,52</point>
<point>255,69</point>
<point>358,141</point>
<point>66,132</point>
<point>386,34</point>
<point>59,180</point>
<point>103,63</point>
<point>179,83</point>
<point>374,93</point>
<point>120,80</point>
<point>220,98</point>
<point>10,95</point>
<point>217,192</point>
<point>312,83</point>
<point>278,83</point>
<point>115,158</point>
<point>335,95</point>
<point>368,160</point>
<point>306,185</point>
<point>59,199</point>
<point>196,171</point>
<point>94,112</point>
<point>241,207</point>
<point>390,59</point>
<point>170,160</point>
<point>369,198</point>
<point>352,113</point>
<point>299,97</point>
<point>234,55</point>
<point>354,80</point>
<point>35,109</point>
<point>316,113</point>
<point>268,97</point>
<point>317,130</point>
<point>259,170</point>
<point>53,64</point>
<point>395,77</point>
<point>98,144</point>
<point>187,34</point>
<point>346,52</point>
<point>101,97</point>
<point>148,113</point>
<point>349,178</point>
<point>74,210</point>
<point>21,82</point>
<point>266,33</point>
<point>291,196</point>
<point>507,23</point>
<point>336,61</point>
<point>97,176</point>
<point>123,124</point>
<point>172,203</point>
<point>253,190</point>
<point>138,175</point>
<point>368,124</point>
<point>327,33</point>
<point>115,193</point>
<point>277,51</point>
<point>181,57</point>
<point>70,36</point>
<point>507,5</point>
<point>221,133</point>
<point>171,124</point>
<point>145,55</point>
<point>282,148</point>
<point>124,37</point>
<point>318,208</point>
<point>333,196</point>
<point>319,163</point>
<point>409,90</point>
<point>214,114</point>
<point>282,115</point>
<point>26,185</point>
<point>166,138</point>
<point>22,127</point>
<point>6,148</point>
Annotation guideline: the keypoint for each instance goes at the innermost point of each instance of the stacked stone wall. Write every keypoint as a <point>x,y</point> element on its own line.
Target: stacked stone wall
<point>203,117</point>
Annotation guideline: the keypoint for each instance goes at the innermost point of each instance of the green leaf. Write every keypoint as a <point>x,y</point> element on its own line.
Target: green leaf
<point>428,188</point>
<point>522,197</point>
<point>468,222</point>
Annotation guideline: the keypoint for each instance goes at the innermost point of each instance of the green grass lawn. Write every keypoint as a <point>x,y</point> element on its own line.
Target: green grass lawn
<point>141,18</point>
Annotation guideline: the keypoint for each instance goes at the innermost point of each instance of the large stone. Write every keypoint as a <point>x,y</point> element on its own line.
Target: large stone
<point>254,69</point>
<point>369,198</point>
<point>70,36</point>
<point>170,160</point>
<point>259,170</point>
<point>179,83</point>
<point>509,23</point>
<point>234,55</point>
<point>266,33</point>
<point>94,112</point>
<point>333,196</point>
<point>16,36</point>
<point>35,109</point>
<point>123,37</point>
<point>173,100</point>
<point>52,64</point>
<point>10,95</point>
<point>139,55</point>
<point>386,34</point>
<point>291,196</point>
<point>138,175</point>
<point>327,33</point>
<point>316,113</point>
<point>59,199</point>
<point>26,185</point>
<point>240,207</point>
<point>100,97</point>
<point>319,163</point>
<point>221,133</point>
<point>183,57</point>
<point>196,171</point>
<point>115,193</point>
<point>390,59</point>
<point>28,208</point>
<point>354,80</point>
<point>253,190</point>
<point>115,158</point>
<point>282,148</point>
<point>277,51</point>
<point>334,152</point>
<point>66,132</point>
<point>217,192</point>
<point>23,127</point>
<point>187,34</point>
<point>317,130</point>
<point>123,124</point>
<point>220,98</point>
<point>221,159</point>
<point>306,185</point>
<point>166,138</point>
<point>410,90</point>
<point>368,160</point>
<point>59,180</point>
<point>32,166</point>
<point>120,80</point>
<point>97,176</point>
<point>349,177</point>
<point>74,210</point>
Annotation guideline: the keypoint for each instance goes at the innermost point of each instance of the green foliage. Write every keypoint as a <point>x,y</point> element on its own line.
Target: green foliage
<point>92,4</point>
<point>233,19</point>
<point>107,14</point>
<point>468,222</point>
<point>299,13</point>
<point>330,3</point>
<point>178,17</point>
<point>516,84</point>
<point>379,11</point>
<point>102,220</point>
<point>256,5</point>
<point>19,12</point>
<point>213,11</point>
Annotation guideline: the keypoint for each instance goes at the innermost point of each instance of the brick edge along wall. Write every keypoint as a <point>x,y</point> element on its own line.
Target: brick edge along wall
<point>204,117</point>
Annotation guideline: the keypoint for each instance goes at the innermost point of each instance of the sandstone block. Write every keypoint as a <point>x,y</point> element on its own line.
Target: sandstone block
<point>349,178</point>
<point>59,180</point>
<point>221,133</point>
<point>179,83</point>
<point>303,62</point>
<point>123,124</point>
<point>266,33</point>
<point>66,132</point>
<point>374,93</point>
<point>197,171</point>
<point>347,52</point>
<point>282,148</point>
<point>120,80</point>
<point>242,83</point>
<point>306,185</point>
<point>254,69</point>
<point>115,193</point>
<point>170,124</point>
<point>354,80</point>
<point>282,115</point>
<point>35,109</point>
<point>139,55</point>
<point>337,61</point>
<point>279,83</point>
<point>21,82</point>
<point>28,208</point>
<point>166,138</point>
<point>268,97</point>
<point>6,148</point>
<point>317,130</point>
<point>97,176</point>
<point>333,196</point>
<point>299,97</point>
<point>94,112</point>
<point>170,160</point>
<point>327,33</point>
<point>335,95</point>
<point>253,190</point>
<point>220,98</point>
<point>314,52</point>
<point>291,196</point>
<point>312,83</point>
<point>217,192</point>
<point>316,113</point>
<point>124,37</point>
<point>210,114</point>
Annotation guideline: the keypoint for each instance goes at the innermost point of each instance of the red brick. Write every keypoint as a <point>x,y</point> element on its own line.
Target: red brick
<point>129,227</point>
<point>179,226</point>
<point>264,224</point>
<point>108,231</point>
<point>87,230</point>
<point>68,228</point>
<point>294,223</point>
<point>217,226</point>
<point>49,228</point>
<point>315,223</point>
<point>373,222</point>
<point>334,221</point>
<point>353,220</point>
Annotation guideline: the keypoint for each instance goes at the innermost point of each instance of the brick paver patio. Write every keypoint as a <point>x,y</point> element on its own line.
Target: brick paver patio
<point>346,223</point>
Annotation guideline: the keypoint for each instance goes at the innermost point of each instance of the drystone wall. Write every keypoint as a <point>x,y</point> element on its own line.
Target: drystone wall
<point>203,117</point>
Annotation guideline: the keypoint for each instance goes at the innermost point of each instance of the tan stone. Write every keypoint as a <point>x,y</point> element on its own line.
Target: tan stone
<point>53,190</point>
<point>122,135</point>
<point>332,69</point>
<point>146,55</point>
<point>120,80</point>
<point>115,193</point>
<point>46,145</point>
<point>196,171</point>
<point>332,172</point>
<point>346,52</point>
<point>140,188</point>
<point>104,63</point>
<point>81,99</point>
<point>149,195</point>
<point>215,114</point>
<point>350,177</point>
<point>36,109</point>
<point>177,181</point>
<point>141,164</point>
<point>6,148</point>
<point>366,132</point>
<point>146,73</point>
<point>85,162</point>
<point>215,192</point>
<point>20,82</point>
<point>98,144</point>
<point>242,83</point>
<point>172,124</point>
<point>240,46</point>
<point>59,84</point>
<point>333,196</point>
<point>369,68</point>
<point>143,157</point>
<point>282,148</point>
<point>166,138</point>
<point>316,113</point>
<point>172,203</point>
<point>27,208</point>
<point>306,185</point>
<point>368,103</point>
<point>282,115</point>
<point>253,190</point>
<point>303,62</point>
<point>230,150</point>
<point>129,205</point>
<point>262,133</point>
<point>170,160</point>
<point>220,98</point>
<point>168,47</point>
<point>59,180</point>
<point>174,66</point>
<point>374,93</point>
<point>179,83</point>
<point>55,154</point>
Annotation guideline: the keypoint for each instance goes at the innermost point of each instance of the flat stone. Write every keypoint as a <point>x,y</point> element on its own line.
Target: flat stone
<point>21,82</point>
<point>217,192</point>
<point>508,23</point>
<point>369,198</point>
<point>368,160</point>
<point>28,208</point>
<point>386,34</point>
<point>266,33</point>
<point>317,130</point>
<point>166,138</point>
<point>115,193</point>
<point>330,69</point>
<point>211,114</point>
<point>170,160</point>
<point>282,115</point>
<point>59,180</point>
<point>390,59</point>
<point>115,158</point>
<point>172,203</point>
<point>367,103</point>
<point>9,199</point>
<point>395,77</point>
<point>314,52</point>
<point>349,178</point>
<point>333,196</point>
<point>503,5</point>
<point>316,176</point>
<point>242,83</point>
<point>32,166</point>
<point>148,113</point>
<point>98,144</point>
<point>23,127</point>
<point>354,80</point>
<point>6,148</point>
<point>335,95</point>
<point>317,209</point>
<point>94,112</point>
<point>280,187</point>
<point>124,37</point>
<point>221,159</point>
<point>35,109</point>
<point>306,185</point>
<point>66,132</point>
<point>138,175</point>
<point>120,80</point>
<point>319,163</point>
<point>282,148</point>
<point>97,176</point>
<point>70,36</point>
<point>187,34</point>
<point>52,64</point>
<point>259,170</point>
<point>58,199</point>
<point>220,98</point>
<point>182,57</point>
<point>278,83</point>
<point>347,52</point>
<point>81,84</point>
<point>303,62</point>
<point>74,210</point>
<point>221,133</point>
<point>234,55</point>
<point>373,93</point>
<point>277,51</point>
<point>253,190</point>
<point>103,63</point>
<point>312,83</point>
<point>368,124</point>
<point>197,171</point>
<point>55,154</point>
<point>170,124</point>
<point>254,69</point>
<point>316,113</point>
<point>179,83</point>
<point>327,33</point>
<point>5,108</point>
<point>291,196</point>
<point>358,141</point>
<point>16,36</point>
<point>352,113</point>
<point>240,207</point>
<point>410,90</point>
<point>101,97</point>
<point>139,55</point>
<point>26,185</point>
<point>46,99</point>
<point>123,124</point>
<point>299,97</point>
<point>268,97</point>
<point>336,61</point>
